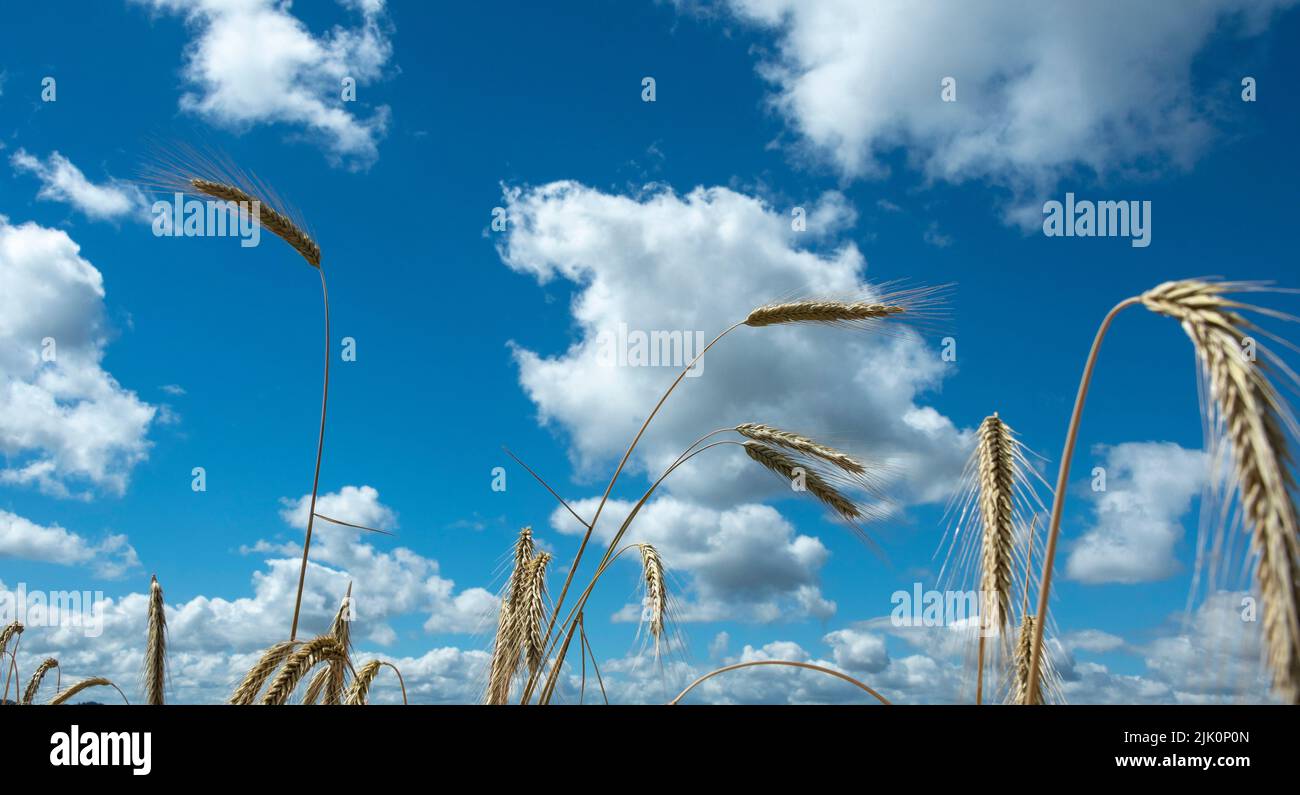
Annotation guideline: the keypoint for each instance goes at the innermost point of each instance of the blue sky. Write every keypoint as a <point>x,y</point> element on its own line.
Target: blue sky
<point>672,215</point>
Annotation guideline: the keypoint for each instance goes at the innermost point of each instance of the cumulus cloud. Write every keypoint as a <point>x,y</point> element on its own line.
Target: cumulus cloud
<point>62,181</point>
<point>1042,91</point>
<point>25,540</point>
<point>697,263</point>
<point>694,264</point>
<point>64,420</point>
<point>1134,538</point>
<point>254,62</point>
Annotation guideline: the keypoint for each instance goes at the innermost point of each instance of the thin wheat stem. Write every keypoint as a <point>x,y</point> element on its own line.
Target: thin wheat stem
<point>1058,499</point>
<point>320,446</point>
<point>568,579</point>
<point>787,663</point>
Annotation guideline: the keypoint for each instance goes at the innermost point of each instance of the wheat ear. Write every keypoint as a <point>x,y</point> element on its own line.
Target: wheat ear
<point>252,683</point>
<point>155,656</point>
<point>322,649</point>
<point>656,592</point>
<point>34,685</point>
<point>331,681</point>
<point>97,681</point>
<point>1049,679</point>
<point>507,646</point>
<point>801,444</point>
<point>276,222</point>
<point>532,612</point>
<point>359,693</point>
<point>785,466</point>
<point>1252,421</point>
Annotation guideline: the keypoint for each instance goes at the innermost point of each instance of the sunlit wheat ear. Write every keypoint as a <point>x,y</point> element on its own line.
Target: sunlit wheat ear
<point>29,695</point>
<point>97,681</point>
<point>322,649</point>
<point>532,612</point>
<point>270,218</point>
<point>1049,679</point>
<point>800,444</point>
<point>656,593</point>
<point>912,304</point>
<point>331,681</point>
<point>507,646</point>
<point>359,693</point>
<point>1250,426</point>
<point>155,656</point>
<point>803,473</point>
<point>252,683</point>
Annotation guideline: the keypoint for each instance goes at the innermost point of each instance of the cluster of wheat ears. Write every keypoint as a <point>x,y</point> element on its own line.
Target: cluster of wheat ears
<point>994,516</point>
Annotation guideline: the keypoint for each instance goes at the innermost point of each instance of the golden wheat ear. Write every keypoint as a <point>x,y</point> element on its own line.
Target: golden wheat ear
<point>267,664</point>
<point>29,695</point>
<point>359,693</point>
<point>155,657</point>
<point>1049,690</point>
<point>914,304</point>
<point>991,526</point>
<point>322,649</point>
<point>508,645</point>
<point>1250,429</point>
<point>95,681</point>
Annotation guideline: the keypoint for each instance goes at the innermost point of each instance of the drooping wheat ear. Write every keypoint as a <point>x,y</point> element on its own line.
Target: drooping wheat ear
<point>532,613</point>
<point>321,649</point>
<point>11,630</point>
<point>800,444</point>
<point>359,692</point>
<point>790,470</point>
<point>97,681</point>
<point>155,655</point>
<point>331,681</point>
<point>656,592</point>
<point>271,659</point>
<point>276,222</point>
<point>1251,426</point>
<point>508,644</point>
<point>1049,679</point>
<point>34,685</point>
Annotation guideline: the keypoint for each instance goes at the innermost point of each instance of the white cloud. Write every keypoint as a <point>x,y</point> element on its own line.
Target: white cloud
<point>1093,640</point>
<point>253,62</point>
<point>25,540</point>
<point>354,504</point>
<point>63,181</point>
<point>1149,487</point>
<point>63,418</point>
<point>1042,91</point>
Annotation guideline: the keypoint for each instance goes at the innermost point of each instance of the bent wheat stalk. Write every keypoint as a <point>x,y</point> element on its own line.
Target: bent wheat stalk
<point>787,663</point>
<point>97,681</point>
<point>155,656</point>
<point>1250,425</point>
<point>359,693</point>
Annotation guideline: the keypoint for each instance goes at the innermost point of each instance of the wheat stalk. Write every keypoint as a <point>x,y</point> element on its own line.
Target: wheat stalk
<point>324,648</point>
<point>360,690</point>
<point>508,644</point>
<point>1249,426</point>
<point>34,685</point>
<point>252,683</point>
<point>155,656</point>
<point>272,219</point>
<point>97,681</point>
